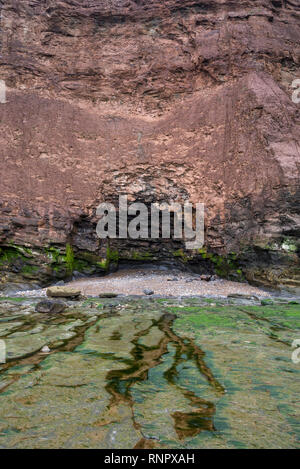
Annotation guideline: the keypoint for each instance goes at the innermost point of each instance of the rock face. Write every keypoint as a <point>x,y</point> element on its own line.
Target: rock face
<point>163,100</point>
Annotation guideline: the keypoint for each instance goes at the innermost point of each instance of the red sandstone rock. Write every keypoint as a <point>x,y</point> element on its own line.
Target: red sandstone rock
<point>160,99</point>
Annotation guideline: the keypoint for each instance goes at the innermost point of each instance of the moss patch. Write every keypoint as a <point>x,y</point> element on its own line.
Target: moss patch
<point>185,309</point>
<point>29,269</point>
<point>9,254</point>
<point>69,259</point>
<point>112,255</point>
<point>206,319</point>
<point>278,315</point>
<point>15,299</point>
<point>224,266</point>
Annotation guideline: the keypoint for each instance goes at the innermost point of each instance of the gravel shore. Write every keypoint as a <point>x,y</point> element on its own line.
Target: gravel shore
<point>168,283</point>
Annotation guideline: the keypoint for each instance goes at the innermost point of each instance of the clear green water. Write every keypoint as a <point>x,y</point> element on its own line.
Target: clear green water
<point>136,373</point>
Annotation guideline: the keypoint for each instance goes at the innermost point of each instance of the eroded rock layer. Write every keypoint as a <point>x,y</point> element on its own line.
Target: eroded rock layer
<point>163,100</point>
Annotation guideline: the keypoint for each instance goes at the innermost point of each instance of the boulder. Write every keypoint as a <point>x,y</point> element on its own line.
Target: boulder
<point>48,306</point>
<point>242,296</point>
<point>148,292</point>
<point>63,292</point>
<point>266,302</point>
<point>77,275</point>
<point>60,283</point>
<point>108,295</point>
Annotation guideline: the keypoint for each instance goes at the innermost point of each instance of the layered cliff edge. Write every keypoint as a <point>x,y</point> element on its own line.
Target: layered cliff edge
<point>168,100</point>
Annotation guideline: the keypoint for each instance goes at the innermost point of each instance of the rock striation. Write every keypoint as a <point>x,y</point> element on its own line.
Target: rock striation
<point>162,100</point>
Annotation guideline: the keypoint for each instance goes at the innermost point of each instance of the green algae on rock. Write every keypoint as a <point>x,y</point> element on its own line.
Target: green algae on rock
<point>150,373</point>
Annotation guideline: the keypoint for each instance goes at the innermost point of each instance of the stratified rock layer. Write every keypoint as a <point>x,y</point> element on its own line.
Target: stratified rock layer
<point>163,100</point>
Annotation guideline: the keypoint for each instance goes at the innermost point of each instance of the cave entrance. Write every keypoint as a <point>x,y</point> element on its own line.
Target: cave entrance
<point>160,244</point>
<point>146,250</point>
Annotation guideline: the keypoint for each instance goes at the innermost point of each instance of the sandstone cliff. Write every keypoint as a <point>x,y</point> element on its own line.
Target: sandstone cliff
<point>161,100</point>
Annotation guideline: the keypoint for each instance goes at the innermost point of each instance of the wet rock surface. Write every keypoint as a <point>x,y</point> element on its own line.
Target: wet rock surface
<point>107,295</point>
<point>142,373</point>
<point>47,306</point>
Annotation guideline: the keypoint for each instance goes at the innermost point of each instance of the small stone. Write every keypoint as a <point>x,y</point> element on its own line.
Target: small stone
<point>63,292</point>
<point>266,302</point>
<point>45,349</point>
<point>148,292</point>
<point>242,296</point>
<point>206,278</point>
<point>48,306</point>
<point>77,275</point>
<point>60,283</point>
<point>108,295</point>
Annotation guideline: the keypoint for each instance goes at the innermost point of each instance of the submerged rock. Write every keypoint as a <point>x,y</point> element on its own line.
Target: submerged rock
<point>242,296</point>
<point>63,292</point>
<point>152,377</point>
<point>108,295</point>
<point>48,306</point>
<point>266,302</point>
